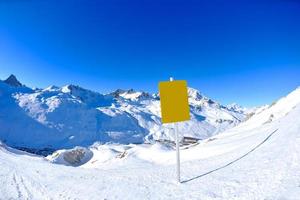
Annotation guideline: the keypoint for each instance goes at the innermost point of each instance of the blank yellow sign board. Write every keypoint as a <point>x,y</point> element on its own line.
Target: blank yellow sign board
<point>174,101</point>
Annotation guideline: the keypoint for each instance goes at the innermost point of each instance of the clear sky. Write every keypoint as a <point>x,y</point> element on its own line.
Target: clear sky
<point>233,51</point>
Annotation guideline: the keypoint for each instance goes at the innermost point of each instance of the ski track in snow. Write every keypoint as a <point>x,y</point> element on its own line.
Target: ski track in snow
<point>232,162</point>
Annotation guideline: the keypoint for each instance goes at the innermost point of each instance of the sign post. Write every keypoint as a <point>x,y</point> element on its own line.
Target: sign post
<point>177,153</point>
<point>174,108</point>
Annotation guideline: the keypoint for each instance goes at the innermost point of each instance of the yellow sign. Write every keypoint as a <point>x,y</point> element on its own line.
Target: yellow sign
<point>174,101</point>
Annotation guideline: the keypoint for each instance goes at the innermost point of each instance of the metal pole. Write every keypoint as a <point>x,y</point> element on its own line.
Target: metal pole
<point>177,147</point>
<point>177,152</point>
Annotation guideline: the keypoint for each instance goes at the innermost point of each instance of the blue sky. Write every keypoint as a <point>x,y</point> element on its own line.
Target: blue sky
<point>233,51</point>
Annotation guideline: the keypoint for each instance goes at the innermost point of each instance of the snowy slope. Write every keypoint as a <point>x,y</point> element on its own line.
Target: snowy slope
<point>64,117</point>
<point>276,111</point>
<point>258,159</point>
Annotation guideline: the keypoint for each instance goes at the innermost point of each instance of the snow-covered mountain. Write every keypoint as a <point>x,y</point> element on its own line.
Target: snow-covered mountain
<point>67,116</point>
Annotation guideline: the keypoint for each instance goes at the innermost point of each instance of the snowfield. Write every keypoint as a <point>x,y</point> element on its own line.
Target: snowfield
<point>257,159</point>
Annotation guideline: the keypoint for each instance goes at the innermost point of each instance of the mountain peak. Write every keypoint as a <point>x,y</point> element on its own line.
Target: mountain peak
<point>67,88</point>
<point>130,94</point>
<point>72,88</point>
<point>51,88</point>
<point>117,93</point>
<point>193,93</point>
<point>235,107</point>
<point>13,81</point>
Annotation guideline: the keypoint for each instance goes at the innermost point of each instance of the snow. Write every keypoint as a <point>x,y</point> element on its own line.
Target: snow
<point>255,159</point>
<point>241,163</point>
<point>276,111</point>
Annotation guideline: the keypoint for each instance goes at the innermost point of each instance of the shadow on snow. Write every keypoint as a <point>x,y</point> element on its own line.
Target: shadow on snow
<point>232,162</point>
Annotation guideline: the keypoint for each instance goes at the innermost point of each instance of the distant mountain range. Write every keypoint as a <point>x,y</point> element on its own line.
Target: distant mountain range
<point>68,116</point>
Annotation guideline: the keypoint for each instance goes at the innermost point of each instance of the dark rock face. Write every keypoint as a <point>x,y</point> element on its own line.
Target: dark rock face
<point>13,81</point>
<point>78,156</point>
<point>117,93</point>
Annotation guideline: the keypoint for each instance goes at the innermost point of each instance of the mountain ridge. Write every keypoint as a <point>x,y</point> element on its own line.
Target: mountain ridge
<point>58,117</point>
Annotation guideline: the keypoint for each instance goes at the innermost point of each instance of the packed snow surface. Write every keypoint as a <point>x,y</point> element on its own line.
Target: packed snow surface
<point>258,159</point>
